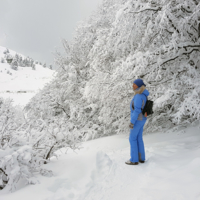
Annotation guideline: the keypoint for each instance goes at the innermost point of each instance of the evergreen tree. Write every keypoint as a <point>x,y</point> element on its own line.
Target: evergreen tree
<point>33,66</point>
<point>9,58</point>
<point>16,57</point>
<point>2,60</point>
<point>14,65</point>
<point>6,51</point>
<point>20,61</point>
<point>31,62</point>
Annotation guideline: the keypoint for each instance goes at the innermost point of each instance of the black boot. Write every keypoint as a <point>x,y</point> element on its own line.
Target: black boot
<point>141,161</point>
<point>128,162</point>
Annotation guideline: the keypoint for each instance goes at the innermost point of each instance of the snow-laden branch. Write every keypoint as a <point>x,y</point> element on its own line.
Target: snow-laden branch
<point>156,9</point>
<point>153,83</point>
<point>180,54</point>
<point>3,171</point>
<point>185,10</point>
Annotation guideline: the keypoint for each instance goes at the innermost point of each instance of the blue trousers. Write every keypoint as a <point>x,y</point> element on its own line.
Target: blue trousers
<point>137,151</point>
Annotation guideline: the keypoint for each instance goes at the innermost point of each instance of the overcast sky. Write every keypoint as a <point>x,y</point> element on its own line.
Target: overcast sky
<point>34,28</point>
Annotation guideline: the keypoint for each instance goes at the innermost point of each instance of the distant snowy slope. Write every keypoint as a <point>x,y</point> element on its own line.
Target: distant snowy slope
<point>22,84</point>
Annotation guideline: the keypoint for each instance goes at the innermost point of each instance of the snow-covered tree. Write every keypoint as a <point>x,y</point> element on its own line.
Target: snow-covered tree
<point>14,64</point>
<point>31,63</point>
<point>51,120</point>
<point>25,62</point>
<point>10,139</point>
<point>6,51</point>
<point>20,61</point>
<point>157,41</point>
<point>2,60</point>
<point>19,158</point>
<point>33,66</point>
<point>9,58</point>
<point>50,67</point>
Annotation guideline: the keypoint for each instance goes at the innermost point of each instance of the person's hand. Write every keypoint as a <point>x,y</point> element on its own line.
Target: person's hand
<point>131,125</point>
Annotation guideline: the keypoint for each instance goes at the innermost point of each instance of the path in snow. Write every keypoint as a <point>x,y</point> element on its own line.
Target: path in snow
<point>98,172</point>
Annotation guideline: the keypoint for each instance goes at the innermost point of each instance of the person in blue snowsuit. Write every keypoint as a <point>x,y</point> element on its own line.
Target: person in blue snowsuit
<point>137,152</point>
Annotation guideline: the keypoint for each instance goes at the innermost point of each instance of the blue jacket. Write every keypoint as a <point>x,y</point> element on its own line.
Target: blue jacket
<point>139,101</point>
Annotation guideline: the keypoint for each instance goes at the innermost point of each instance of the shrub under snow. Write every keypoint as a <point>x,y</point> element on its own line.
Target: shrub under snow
<point>25,145</point>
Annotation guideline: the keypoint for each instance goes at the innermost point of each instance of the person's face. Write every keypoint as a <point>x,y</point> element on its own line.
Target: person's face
<point>134,86</point>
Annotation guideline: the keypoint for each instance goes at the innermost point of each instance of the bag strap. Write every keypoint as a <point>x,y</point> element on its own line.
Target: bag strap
<point>145,95</point>
<point>146,101</point>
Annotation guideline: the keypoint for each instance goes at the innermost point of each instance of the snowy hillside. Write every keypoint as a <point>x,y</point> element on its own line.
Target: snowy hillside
<point>22,84</point>
<point>98,171</point>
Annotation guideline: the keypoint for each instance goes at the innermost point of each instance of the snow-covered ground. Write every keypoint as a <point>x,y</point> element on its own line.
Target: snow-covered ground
<point>98,171</point>
<point>23,84</point>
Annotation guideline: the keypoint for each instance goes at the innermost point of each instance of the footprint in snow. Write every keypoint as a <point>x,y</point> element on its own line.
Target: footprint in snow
<point>103,166</point>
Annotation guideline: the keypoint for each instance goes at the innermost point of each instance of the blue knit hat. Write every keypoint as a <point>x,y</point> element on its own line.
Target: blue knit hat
<point>139,82</point>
